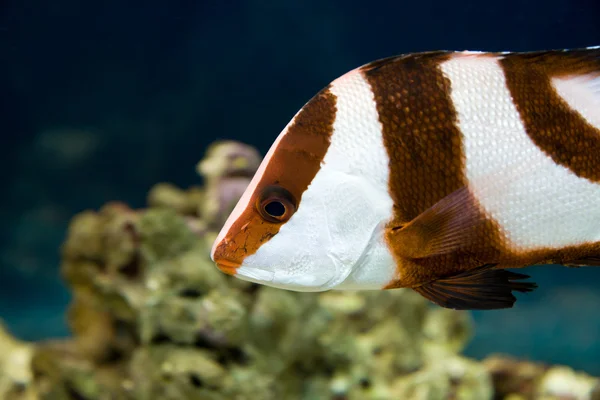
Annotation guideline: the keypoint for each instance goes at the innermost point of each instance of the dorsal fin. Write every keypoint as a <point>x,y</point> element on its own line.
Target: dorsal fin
<point>483,288</point>
<point>555,62</point>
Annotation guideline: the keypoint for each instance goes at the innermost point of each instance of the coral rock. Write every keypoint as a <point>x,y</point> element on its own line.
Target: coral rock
<point>153,318</point>
<point>16,378</point>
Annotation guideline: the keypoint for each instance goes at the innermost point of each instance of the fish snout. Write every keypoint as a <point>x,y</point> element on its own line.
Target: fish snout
<point>222,257</point>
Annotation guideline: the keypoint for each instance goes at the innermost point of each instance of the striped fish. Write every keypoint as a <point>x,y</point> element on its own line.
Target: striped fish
<point>433,171</point>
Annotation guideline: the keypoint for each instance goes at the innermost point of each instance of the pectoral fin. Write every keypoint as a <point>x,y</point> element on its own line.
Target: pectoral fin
<point>483,288</point>
<point>448,225</point>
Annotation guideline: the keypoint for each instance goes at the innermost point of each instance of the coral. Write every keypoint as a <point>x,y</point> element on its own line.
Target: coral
<point>15,373</point>
<point>523,380</point>
<point>227,169</point>
<point>152,318</point>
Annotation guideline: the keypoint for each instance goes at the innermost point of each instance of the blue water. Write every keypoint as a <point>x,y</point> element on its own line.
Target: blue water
<point>100,101</point>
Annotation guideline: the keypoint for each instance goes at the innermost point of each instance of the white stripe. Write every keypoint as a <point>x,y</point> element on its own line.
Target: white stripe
<point>357,149</point>
<point>582,93</point>
<point>357,142</point>
<point>541,205</point>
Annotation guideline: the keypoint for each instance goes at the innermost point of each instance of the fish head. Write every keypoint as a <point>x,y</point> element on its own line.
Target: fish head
<point>294,226</point>
<point>279,240</point>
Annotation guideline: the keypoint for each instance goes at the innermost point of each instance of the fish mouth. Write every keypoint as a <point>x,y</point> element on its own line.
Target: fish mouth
<point>234,268</point>
<point>227,266</point>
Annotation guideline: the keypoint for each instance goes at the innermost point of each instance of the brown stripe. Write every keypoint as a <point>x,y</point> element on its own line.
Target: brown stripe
<point>561,132</point>
<point>293,165</point>
<point>420,131</point>
<point>424,145</point>
<point>427,163</point>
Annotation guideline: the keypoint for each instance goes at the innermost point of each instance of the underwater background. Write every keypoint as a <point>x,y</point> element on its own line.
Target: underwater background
<point>101,100</point>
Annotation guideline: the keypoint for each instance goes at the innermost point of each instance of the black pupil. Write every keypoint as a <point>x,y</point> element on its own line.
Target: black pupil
<point>275,208</point>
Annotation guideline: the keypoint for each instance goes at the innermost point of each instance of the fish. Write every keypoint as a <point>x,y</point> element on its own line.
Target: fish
<point>437,171</point>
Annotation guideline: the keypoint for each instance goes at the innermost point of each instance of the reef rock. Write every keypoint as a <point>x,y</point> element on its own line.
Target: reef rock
<point>523,380</point>
<point>152,318</point>
<point>15,372</point>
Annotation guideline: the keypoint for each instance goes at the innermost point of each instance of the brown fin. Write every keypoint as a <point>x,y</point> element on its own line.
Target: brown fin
<point>443,228</point>
<point>483,288</point>
<point>591,261</point>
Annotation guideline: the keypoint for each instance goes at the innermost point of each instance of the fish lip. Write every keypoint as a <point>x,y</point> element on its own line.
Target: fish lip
<point>227,266</point>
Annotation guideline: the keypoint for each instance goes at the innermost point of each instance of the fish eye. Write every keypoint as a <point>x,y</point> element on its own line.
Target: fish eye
<point>276,204</point>
<point>275,208</point>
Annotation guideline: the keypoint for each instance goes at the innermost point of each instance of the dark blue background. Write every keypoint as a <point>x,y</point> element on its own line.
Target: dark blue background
<point>100,100</point>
